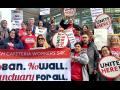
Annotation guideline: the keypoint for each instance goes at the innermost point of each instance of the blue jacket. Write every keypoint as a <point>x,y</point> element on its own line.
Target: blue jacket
<point>34,28</point>
<point>16,46</point>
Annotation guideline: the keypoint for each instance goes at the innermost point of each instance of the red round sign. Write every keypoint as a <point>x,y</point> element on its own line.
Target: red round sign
<point>109,66</point>
<point>103,21</point>
<point>69,12</point>
<point>60,39</point>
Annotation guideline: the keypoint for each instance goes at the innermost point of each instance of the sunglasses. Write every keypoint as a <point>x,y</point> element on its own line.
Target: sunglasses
<point>28,30</point>
<point>41,38</point>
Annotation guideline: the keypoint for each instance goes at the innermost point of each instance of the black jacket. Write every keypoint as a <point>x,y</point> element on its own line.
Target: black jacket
<point>65,26</point>
<point>4,45</point>
<point>93,56</point>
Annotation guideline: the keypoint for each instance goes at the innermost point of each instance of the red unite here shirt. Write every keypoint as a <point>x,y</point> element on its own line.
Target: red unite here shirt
<point>78,38</point>
<point>115,51</point>
<point>76,70</point>
<point>71,26</point>
<point>84,49</point>
<point>28,41</point>
<point>11,45</point>
<point>22,32</point>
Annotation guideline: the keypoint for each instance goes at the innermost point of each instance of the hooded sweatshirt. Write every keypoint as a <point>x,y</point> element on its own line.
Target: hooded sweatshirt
<point>4,31</point>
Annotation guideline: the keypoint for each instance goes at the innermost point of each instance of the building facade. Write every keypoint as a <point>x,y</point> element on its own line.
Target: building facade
<point>82,16</point>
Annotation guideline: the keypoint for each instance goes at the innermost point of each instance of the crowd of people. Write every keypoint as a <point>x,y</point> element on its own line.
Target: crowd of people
<point>84,57</point>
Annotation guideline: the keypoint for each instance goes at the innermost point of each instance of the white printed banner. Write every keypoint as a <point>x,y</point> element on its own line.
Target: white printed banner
<point>44,11</point>
<point>95,12</point>
<point>100,38</point>
<point>17,17</point>
<point>35,65</point>
<point>71,37</point>
<point>41,30</point>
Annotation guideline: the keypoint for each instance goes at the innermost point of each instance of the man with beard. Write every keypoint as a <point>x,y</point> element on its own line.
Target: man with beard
<point>48,24</point>
<point>93,55</point>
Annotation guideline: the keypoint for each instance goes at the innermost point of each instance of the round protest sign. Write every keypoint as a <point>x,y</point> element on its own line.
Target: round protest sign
<point>60,40</point>
<point>109,66</point>
<point>103,21</point>
<point>69,12</point>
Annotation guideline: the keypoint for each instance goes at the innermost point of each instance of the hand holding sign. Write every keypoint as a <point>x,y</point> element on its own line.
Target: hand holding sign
<point>69,12</point>
<point>109,66</point>
<point>60,40</point>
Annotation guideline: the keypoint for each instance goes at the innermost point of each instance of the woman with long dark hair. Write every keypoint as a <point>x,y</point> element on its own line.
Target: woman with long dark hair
<point>13,40</point>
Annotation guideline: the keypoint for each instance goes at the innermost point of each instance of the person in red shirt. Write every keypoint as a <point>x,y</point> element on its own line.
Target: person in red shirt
<point>22,32</point>
<point>78,64</point>
<point>91,36</point>
<point>114,45</point>
<point>77,35</point>
<point>28,40</point>
<point>70,24</point>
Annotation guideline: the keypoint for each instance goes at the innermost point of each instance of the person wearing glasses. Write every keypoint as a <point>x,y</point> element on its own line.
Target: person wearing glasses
<point>114,45</point>
<point>13,40</point>
<point>105,51</point>
<point>91,36</point>
<point>41,42</point>
<point>28,40</point>
<point>93,55</point>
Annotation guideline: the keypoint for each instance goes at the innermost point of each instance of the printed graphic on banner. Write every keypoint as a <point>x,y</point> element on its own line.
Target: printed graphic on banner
<point>109,67</point>
<point>60,40</point>
<point>41,30</point>
<point>115,53</point>
<point>69,12</point>
<point>38,65</point>
<point>29,40</point>
<point>103,21</point>
<point>100,38</point>
<point>95,12</point>
<point>17,17</point>
<point>44,11</point>
<point>71,37</point>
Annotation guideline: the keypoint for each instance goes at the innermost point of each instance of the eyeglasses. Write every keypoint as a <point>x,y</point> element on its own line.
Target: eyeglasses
<point>41,38</point>
<point>114,39</point>
<point>28,30</point>
<point>84,37</point>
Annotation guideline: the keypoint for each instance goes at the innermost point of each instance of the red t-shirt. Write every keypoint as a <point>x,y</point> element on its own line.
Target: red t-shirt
<point>28,41</point>
<point>78,38</point>
<point>71,26</point>
<point>115,51</point>
<point>22,32</point>
<point>90,39</point>
<point>84,49</point>
<point>11,45</point>
<point>76,70</point>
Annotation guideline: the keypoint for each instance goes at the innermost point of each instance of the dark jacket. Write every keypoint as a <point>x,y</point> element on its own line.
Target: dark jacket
<point>16,46</point>
<point>4,45</point>
<point>93,56</point>
<point>49,36</point>
<point>65,26</point>
<point>47,24</point>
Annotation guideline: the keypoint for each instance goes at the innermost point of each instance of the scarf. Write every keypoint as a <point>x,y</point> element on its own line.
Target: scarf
<point>4,32</point>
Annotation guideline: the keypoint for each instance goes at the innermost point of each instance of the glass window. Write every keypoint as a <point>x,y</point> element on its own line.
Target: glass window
<point>114,13</point>
<point>87,19</point>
